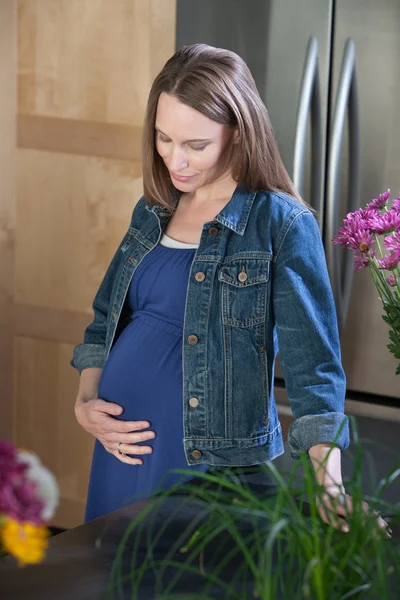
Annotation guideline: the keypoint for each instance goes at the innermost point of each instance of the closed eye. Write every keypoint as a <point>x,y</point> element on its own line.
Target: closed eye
<point>162,138</point>
<point>198,148</point>
<point>166,140</point>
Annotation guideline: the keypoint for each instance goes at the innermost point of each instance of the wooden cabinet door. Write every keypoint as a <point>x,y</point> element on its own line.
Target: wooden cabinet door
<point>80,73</point>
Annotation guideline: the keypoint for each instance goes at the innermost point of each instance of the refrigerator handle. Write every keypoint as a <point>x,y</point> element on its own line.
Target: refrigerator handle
<point>341,274</point>
<point>309,101</point>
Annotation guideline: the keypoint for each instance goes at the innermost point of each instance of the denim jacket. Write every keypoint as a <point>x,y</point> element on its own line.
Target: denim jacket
<point>263,282</point>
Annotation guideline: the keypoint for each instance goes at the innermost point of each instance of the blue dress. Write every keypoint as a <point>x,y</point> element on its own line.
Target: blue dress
<point>143,373</point>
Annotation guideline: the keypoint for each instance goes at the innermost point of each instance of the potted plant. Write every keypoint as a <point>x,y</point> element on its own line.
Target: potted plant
<point>218,537</point>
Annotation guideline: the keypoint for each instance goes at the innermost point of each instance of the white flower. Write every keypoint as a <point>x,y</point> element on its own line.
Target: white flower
<point>46,484</point>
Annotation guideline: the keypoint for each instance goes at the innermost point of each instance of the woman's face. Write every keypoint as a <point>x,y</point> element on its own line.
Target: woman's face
<point>191,145</point>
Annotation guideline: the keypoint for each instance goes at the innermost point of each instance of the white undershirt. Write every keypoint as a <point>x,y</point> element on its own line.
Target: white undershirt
<point>171,243</point>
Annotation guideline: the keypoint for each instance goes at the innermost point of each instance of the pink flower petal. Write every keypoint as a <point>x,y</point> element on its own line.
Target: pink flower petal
<point>384,223</point>
<point>390,261</point>
<point>380,202</point>
<point>391,280</point>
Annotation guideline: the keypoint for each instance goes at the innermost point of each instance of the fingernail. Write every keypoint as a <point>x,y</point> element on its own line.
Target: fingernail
<point>345,529</point>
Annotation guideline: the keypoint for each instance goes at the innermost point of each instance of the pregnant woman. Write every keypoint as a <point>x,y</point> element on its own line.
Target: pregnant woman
<point>221,265</point>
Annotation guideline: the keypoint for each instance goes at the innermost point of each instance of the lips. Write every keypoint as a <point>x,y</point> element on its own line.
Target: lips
<point>181,178</point>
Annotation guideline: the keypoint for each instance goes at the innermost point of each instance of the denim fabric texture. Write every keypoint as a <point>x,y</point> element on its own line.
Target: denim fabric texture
<point>266,286</point>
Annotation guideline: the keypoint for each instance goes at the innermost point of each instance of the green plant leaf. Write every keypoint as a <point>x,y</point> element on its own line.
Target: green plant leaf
<point>278,544</point>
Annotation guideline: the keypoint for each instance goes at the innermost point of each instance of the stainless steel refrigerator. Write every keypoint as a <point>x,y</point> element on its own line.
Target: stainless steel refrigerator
<point>329,74</point>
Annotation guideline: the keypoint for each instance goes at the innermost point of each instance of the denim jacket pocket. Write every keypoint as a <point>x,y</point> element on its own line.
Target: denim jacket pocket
<point>244,291</point>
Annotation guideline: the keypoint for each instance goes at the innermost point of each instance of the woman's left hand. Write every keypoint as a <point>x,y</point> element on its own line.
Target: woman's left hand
<point>335,505</point>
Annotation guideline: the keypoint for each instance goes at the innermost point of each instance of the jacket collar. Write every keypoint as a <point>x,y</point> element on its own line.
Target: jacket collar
<point>234,215</point>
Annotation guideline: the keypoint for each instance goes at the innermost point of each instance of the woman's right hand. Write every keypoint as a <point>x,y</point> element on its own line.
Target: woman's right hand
<point>98,418</point>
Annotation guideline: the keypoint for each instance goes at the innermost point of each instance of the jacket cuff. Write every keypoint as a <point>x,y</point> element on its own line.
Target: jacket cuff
<point>310,430</point>
<point>88,356</point>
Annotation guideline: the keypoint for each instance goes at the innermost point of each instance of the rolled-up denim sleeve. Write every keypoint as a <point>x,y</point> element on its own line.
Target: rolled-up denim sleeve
<point>86,356</point>
<point>308,338</point>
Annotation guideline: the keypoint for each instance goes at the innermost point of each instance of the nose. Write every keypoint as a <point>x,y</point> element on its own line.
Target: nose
<point>177,160</point>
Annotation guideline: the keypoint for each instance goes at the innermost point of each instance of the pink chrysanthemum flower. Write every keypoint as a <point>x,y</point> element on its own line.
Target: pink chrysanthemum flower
<point>384,223</point>
<point>355,234</point>
<point>396,205</point>
<point>390,261</point>
<point>391,280</point>
<point>19,501</point>
<point>18,497</point>
<point>361,260</point>
<point>361,214</point>
<point>362,240</point>
<point>392,242</point>
<point>380,202</point>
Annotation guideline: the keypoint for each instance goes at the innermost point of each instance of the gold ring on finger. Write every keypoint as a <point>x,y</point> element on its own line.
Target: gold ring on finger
<point>118,448</point>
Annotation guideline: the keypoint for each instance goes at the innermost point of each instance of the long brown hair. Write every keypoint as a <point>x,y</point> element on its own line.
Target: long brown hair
<point>218,84</point>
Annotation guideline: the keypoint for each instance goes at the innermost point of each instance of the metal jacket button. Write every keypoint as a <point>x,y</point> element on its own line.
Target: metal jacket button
<point>197,454</point>
<point>213,230</point>
<point>199,277</point>
<point>193,339</point>
<point>194,402</point>
<point>242,275</point>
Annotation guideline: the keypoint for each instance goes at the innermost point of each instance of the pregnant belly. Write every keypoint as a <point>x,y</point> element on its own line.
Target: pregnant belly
<point>143,372</point>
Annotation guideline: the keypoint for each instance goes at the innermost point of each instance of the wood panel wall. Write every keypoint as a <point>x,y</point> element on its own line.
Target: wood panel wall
<point>82,70</point>
<point>8,107</point>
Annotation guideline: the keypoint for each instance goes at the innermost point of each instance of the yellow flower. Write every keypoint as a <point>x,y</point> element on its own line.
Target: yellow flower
<point>27,542</point>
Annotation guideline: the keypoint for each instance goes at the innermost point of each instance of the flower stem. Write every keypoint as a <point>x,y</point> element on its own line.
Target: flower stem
<point>396,273</point>
<point>380,281</point>
<point>378,244</point>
